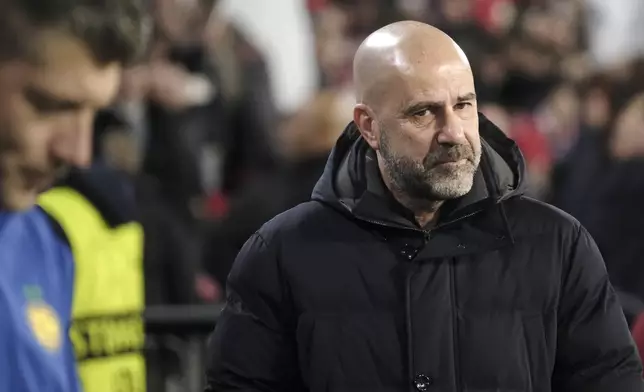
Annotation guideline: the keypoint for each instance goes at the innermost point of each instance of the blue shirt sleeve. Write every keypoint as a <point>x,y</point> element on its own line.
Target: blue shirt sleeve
<point>72,370</point>
<point>67,268</point>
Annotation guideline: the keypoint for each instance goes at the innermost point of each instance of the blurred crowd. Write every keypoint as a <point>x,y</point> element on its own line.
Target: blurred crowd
<point>211,157</point>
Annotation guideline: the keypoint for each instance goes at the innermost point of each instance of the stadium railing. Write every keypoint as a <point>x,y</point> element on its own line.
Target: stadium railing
<point>183,330</point>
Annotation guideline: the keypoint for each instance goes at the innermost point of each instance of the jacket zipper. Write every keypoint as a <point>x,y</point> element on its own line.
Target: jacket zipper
<point>426,236</point>
<point>408,316</point>
<point>413,268</point>
<point>408,313</point>
<point>454,304</point>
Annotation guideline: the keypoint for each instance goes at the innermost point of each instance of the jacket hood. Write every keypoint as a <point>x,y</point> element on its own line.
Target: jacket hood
<point>351,181</point>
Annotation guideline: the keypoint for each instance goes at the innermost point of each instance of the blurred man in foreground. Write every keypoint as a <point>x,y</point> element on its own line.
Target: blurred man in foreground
<point>59,62</point>
<point>419,264</point>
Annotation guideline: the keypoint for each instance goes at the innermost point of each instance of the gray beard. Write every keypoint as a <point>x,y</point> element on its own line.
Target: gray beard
<point>426,180</point>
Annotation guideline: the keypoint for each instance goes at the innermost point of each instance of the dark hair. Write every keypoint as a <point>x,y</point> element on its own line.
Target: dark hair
<point>114,30</point>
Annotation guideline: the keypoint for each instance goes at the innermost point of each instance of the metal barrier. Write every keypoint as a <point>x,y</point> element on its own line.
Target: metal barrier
<point>183,330</point>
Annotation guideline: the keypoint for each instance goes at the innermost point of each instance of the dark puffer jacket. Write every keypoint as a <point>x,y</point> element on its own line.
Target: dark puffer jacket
<point>347,293</point>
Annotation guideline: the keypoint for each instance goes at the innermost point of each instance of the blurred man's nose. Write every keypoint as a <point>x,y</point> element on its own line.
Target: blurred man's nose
<point>73,144</point>
<point>451,130</point>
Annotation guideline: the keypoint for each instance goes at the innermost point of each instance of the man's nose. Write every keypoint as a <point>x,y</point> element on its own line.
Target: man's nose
<point>451,131</point>
<point>73,144</point>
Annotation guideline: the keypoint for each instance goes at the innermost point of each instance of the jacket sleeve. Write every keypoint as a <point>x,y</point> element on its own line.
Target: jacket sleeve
<point>252,348</point>
<point>595,352</point>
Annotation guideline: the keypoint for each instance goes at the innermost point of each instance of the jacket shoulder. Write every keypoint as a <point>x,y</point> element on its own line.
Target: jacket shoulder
<point>297,221</point>
<point>537,217</point>
<point>546,212</point>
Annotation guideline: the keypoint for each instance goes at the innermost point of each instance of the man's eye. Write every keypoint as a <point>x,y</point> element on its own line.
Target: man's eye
<point>46,104</point>
<point>462,105</point>
<point>422,113</point>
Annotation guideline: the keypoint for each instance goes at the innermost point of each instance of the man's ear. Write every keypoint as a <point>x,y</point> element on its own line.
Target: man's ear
<point>368,126</point>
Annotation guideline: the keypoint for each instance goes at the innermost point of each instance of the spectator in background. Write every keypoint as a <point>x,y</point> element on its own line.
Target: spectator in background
<point>531,74</point>
<point>495,16</point>
<point>459,22</point>
<point>202,122</point>
<point>182,105</point>
<point>617,213</point>
<point>333,46</point>
<point>492,68</point>
<point>171,255</point>
<point>558,118</point>
<point>575,175</point>
<point>245,91</point>
<point>365,15</point>
<point>172,258</point>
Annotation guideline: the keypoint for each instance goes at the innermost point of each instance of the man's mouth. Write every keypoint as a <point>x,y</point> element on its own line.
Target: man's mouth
<point>451,161</point>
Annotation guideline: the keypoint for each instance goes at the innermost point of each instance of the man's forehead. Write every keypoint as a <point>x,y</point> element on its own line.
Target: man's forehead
<point>435,82</point>
<point>65,68</point>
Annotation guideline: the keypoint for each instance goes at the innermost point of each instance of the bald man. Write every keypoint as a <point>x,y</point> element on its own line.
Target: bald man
<point>419,265</point>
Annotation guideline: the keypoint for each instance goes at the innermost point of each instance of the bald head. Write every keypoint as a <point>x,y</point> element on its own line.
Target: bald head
<point>417,109</point>
<point>398,51</point>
